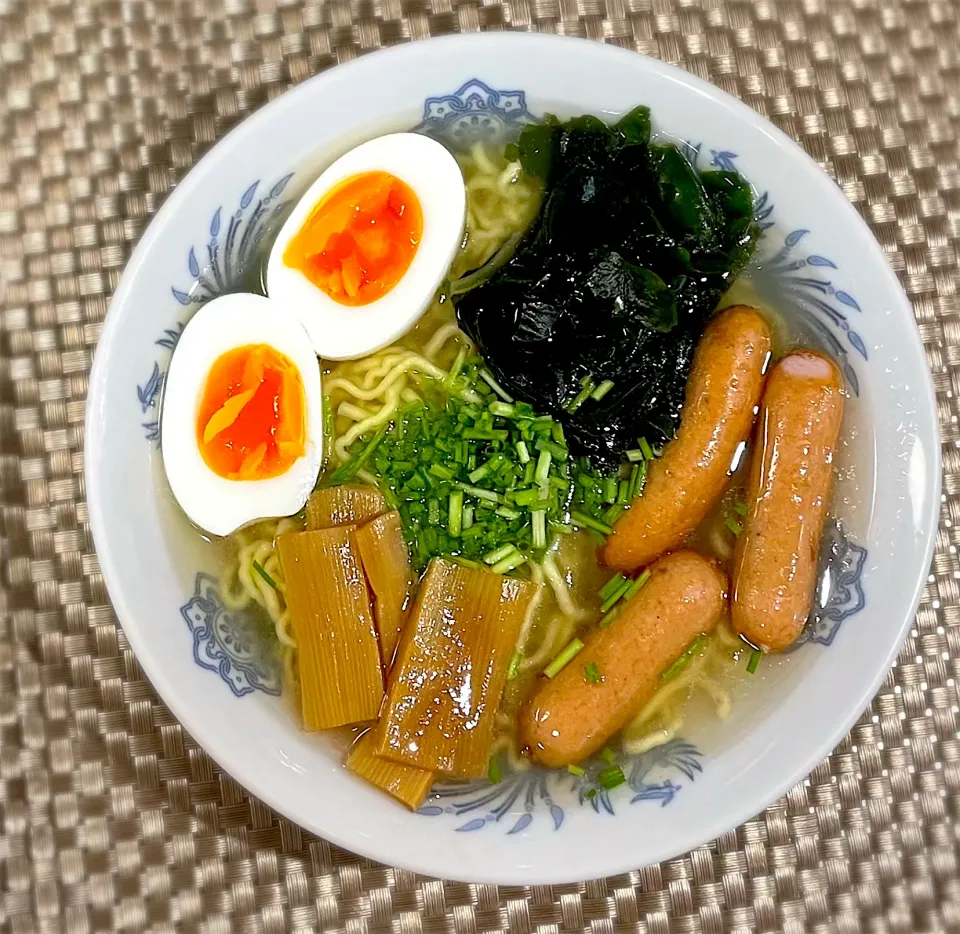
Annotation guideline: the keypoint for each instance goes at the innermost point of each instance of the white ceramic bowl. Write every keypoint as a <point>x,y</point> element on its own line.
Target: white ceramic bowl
<point>823,268</point>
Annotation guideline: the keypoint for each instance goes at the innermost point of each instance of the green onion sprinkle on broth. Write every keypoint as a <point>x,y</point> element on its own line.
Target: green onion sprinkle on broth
<point>477,477</point>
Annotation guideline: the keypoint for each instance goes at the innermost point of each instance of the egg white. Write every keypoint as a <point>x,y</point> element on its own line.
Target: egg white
<point>343,332</point>
<point>218,505</point>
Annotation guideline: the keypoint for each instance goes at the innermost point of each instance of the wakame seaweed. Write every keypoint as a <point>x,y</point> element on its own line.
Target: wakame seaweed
<point>614,282</point>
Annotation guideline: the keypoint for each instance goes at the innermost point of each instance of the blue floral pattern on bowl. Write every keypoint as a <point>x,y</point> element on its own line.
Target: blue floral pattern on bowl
<point>235,646</point>
<point>231,644</point>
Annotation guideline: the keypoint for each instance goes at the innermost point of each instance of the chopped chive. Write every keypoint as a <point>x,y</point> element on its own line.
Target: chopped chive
<point>455,513</point>
<point>479,492</point>
<point>646,449</point>
<point>580,397</point>
<point>610,490</point>
<point>444,473</point>
<point>495,386</point>
<point>433,511</point>
<point>615,596</point>
<point>754,662</point>
<point>563,659</point>
<point>613,513</point>
<point>608,755</point>
<point>591,673</point>
<point>466,562</point>
<point>494,556</point>
<point>467,520</point>
<point>741,509</point>
<point>610,617</point>
<point>556,432</point>
<point>560,453</point>
<point>623,492</point>
<point>513,669</point>
<point>611,777</point>
<point>539,529</point>
<point>543,466</point>
<point>611,586</point>
<point>509,563</point>
<point>587,522</point>
<point>507,512</point>
<point>503,409</point>
<point>733,525</point>
<point>601,390</point>
<point>591,793</point>
<point>522,452</point>
<point>576,770</point>
<point>635,586</point>
<point>638,476</point>
<point>457,367</point>
<point>493,771</point>
<point>259,568</point>
<point>475,476</point>
<point>635,455</point>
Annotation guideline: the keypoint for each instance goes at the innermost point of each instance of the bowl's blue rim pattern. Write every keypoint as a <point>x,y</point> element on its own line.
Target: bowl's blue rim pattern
<point>227,642</point>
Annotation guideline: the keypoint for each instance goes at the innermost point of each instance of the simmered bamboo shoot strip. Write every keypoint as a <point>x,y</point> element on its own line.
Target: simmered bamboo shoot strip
<point>387,564</point>
<point>337,648</point>
<point>450,668</point>
<point>406,783</point>
<point>350,504</point>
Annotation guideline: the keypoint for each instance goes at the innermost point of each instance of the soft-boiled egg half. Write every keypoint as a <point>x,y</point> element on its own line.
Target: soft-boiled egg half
<point>241,428</point>
<point>366,248</point>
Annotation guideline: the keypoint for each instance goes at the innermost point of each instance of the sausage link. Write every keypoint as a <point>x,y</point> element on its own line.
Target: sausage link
<point>791,476</point>
<point>685,482</point>
<point>568,718</point>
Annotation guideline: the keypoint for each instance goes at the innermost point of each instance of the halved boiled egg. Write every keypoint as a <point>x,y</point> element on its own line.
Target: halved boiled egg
<point>366,248</point>
<point>241,428</point>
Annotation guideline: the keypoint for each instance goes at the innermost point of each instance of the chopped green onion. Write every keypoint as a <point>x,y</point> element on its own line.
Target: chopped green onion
<point>635,455</point>
<point>349,470</point>
<point>539,529</point>
<point>638,475</point>
<point>479,492</point>
<point>611,777</point>
<point>455,513</point>
<point>466,562</point>
<point>615,596</point>
<point>610,617</point>
<point>610,490</point>
<point>509,563</point>
<point>646,449</point>
<point>259,568</point>
<point>741,509</point>
<point>754,662</point>
<point>493,771</point>
<point>433,511</point>
<point>503,409</point>
<point>586,522</point>
<point>467,520</point>
<point>508,513</point>
<point>611,586</point>
<point>680,663</point>
<point>563,659</point>
<point>733,525</point>
<point>601,390</point>
<point>444,473</point>
<point>576,770</point>
<point>591,793</point>
<point>522,452</point>
<point>513,669</point>
<point>560,453</point>
<point>580,397</point>
<point>635,586</point>
<point>591,673</point>
<point>495,386</point>
<point>556,432</point>
<point>543,467</point>
<point>500,553</point>
<point>613,513</point>
<point>623,493</point>
<point>608,755</point>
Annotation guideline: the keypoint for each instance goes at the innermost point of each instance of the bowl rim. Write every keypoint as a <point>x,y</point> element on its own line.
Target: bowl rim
<point>205,736</point>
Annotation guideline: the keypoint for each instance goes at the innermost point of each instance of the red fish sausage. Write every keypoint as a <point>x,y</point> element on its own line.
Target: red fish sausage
<point>568,718</point>
<point>791,476</point>
<point>685,482</point>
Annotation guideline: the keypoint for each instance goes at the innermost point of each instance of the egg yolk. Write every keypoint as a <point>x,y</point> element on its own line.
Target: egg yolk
<point>360,240</point>
<point>250,425</point>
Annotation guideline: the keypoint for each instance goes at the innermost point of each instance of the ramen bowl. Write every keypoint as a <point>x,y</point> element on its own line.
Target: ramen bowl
<point>817,264</point>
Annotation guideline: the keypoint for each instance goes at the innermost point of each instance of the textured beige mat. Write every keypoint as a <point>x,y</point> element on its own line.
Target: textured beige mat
<point>112,819</point>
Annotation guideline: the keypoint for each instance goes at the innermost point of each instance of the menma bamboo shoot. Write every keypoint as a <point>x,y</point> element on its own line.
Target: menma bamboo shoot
<point>338,652</point>
<point>350,504</point>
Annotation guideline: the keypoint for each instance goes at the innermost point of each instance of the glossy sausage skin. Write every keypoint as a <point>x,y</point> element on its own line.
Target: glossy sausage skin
<point>687,480</point>
<point>569,719</point>
<point>791,476</point>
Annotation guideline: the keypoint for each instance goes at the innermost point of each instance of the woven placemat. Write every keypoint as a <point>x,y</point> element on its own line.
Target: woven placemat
<point>112,818</point>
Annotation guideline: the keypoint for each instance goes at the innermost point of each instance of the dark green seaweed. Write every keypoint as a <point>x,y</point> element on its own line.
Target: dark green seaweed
<point>615,280</point>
